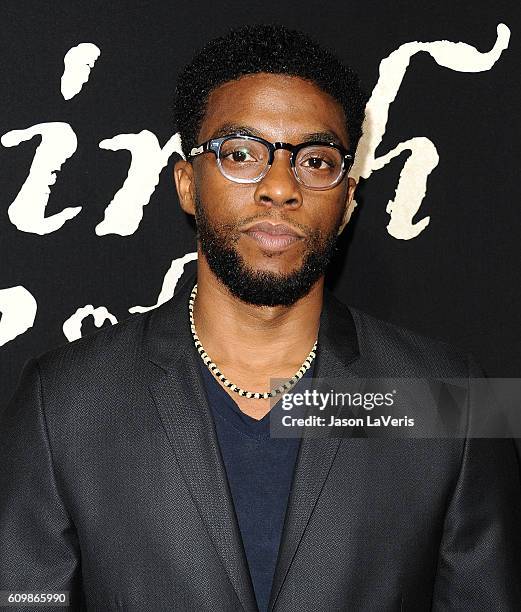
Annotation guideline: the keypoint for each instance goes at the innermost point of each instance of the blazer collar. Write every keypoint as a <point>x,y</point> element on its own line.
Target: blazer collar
<point>167,334</point>
<point>179,395</point>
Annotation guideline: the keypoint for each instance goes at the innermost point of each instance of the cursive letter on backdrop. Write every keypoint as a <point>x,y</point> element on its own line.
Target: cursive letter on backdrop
<point>124,213</point>
<point>424,157</point>
<point>18,308</point>
<point>27,211</point>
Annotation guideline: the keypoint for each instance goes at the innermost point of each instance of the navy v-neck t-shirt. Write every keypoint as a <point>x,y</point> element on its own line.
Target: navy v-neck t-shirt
<point>260,472</point>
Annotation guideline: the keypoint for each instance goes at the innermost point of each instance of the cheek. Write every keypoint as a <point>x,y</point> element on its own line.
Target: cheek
<point>223,198</point>
<point>326,212</point>
<point>206,182</point>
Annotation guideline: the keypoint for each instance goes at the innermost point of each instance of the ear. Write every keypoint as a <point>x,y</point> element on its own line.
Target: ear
<point>184,183</point>
<point>350,204</point>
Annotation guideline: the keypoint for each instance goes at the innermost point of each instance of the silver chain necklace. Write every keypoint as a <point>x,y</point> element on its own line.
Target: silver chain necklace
<point>227,383</point>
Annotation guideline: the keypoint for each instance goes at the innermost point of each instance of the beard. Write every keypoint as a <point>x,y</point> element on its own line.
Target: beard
<point>261,287</point>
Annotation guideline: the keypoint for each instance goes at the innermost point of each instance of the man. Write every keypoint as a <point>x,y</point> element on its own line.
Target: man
<point>137,467</point>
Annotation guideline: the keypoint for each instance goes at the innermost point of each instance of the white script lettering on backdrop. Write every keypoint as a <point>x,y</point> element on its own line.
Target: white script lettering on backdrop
<point>124,213</point>
<point>78,62</point>
<point>412,184</point>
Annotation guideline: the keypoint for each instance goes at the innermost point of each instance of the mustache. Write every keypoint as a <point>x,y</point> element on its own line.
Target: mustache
<point>263,216</point>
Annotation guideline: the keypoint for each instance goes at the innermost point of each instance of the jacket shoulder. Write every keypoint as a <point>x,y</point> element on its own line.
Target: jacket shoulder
<point>119,345</point>
<point>393,350</point>
<point>110,344</point>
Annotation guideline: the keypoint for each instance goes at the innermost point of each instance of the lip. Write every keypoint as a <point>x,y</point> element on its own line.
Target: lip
<point>273,237</point>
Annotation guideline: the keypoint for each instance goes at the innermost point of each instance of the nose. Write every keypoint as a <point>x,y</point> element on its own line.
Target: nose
<point>279,187</point>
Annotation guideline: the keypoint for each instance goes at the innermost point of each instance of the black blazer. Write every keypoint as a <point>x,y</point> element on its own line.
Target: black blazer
<point>112,486</point>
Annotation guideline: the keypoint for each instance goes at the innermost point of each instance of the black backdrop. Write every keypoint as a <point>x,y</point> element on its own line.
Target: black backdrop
<point>459,280</point>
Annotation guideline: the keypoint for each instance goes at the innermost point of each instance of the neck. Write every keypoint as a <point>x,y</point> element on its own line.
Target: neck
<point>270,339</point>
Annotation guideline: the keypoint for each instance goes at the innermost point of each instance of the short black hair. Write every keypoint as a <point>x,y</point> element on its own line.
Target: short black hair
<point>273,49</point>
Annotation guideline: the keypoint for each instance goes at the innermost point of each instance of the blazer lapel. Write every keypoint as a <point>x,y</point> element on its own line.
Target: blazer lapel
<point>181,401</point>
<point>337,348</point>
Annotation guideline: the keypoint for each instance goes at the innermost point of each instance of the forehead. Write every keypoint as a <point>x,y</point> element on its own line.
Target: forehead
<point>279,107</point>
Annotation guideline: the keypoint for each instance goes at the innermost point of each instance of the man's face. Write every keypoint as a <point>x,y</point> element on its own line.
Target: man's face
<point>255,265</point>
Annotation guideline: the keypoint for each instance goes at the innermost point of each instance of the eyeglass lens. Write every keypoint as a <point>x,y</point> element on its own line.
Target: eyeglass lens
<point>316,166</point>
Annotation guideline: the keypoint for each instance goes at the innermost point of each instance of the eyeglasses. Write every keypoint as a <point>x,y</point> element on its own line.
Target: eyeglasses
<point>247,159</point>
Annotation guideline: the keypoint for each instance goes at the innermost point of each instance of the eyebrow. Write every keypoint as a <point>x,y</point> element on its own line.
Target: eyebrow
<point>324,137</point>
<point>246,130</point>
<point>235,128</point>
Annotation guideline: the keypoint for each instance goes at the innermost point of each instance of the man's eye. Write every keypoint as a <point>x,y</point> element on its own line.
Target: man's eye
<point>317,163</point>
<point>239,155</point>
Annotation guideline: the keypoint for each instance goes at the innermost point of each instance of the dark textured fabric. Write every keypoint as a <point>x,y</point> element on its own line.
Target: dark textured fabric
<point>112,486</point>
<point>260,470</point>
